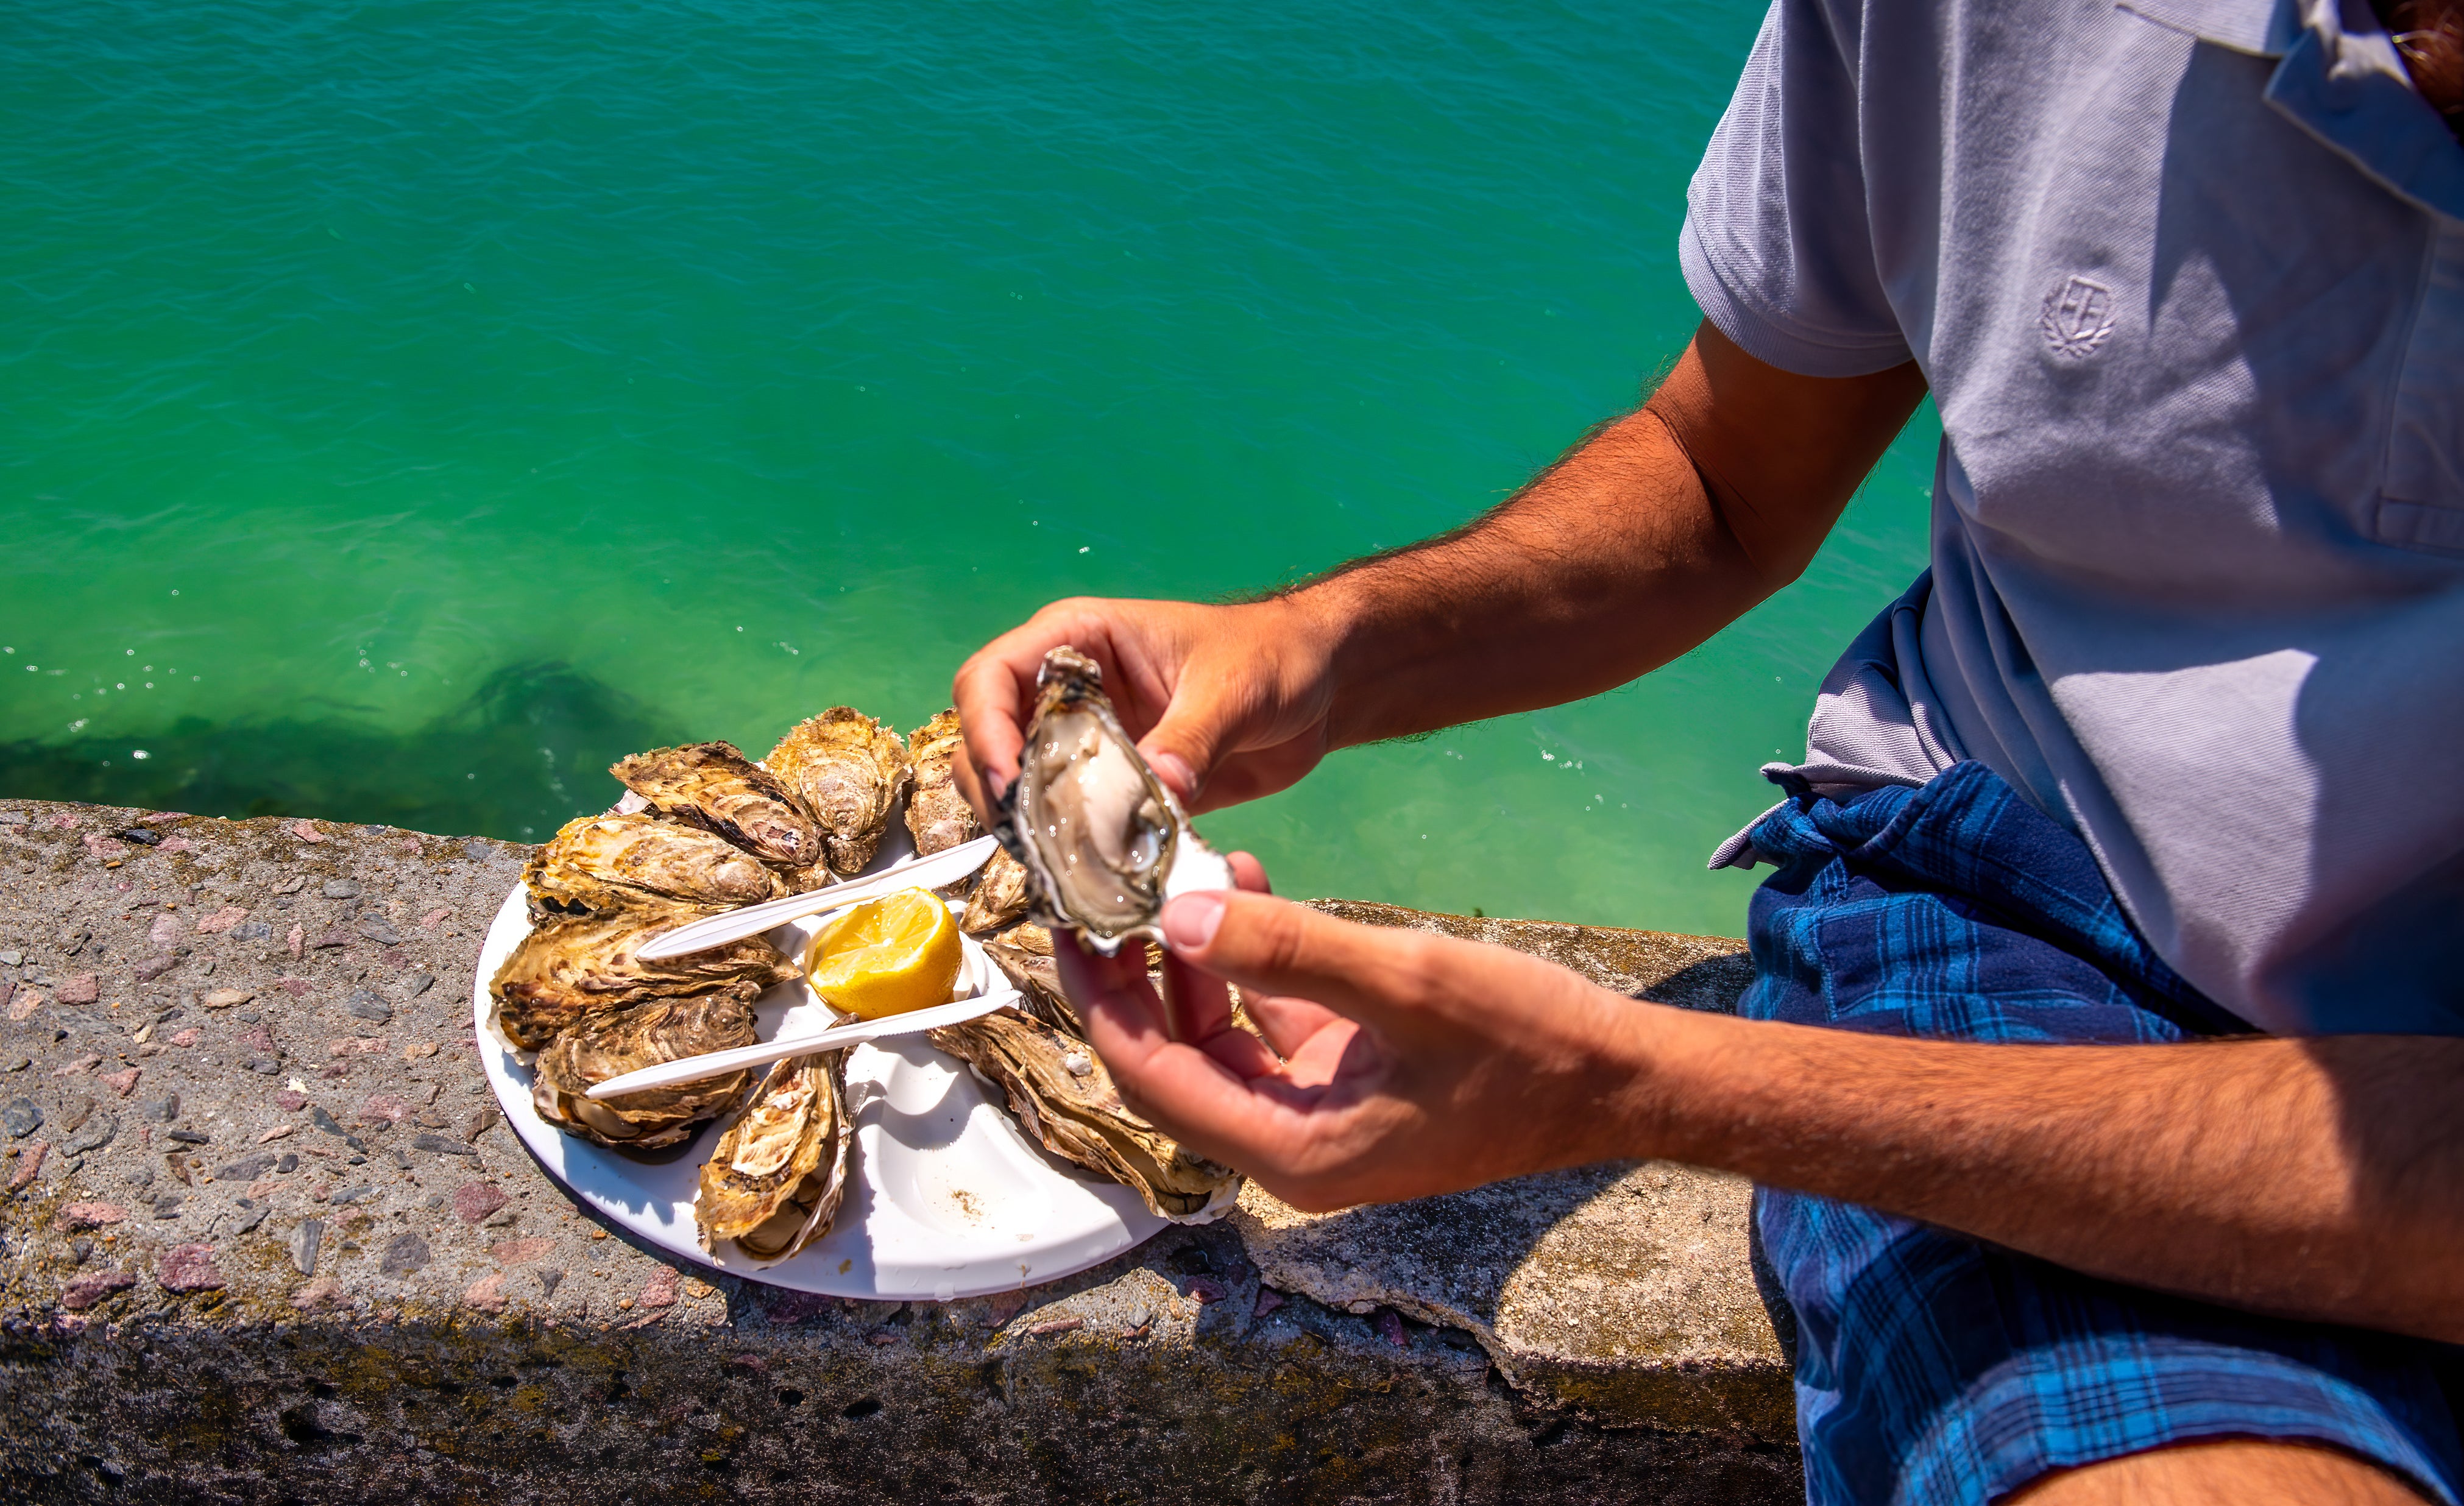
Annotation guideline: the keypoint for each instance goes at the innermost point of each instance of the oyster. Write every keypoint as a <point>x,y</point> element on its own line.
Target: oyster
<point>937,815</point>
<point>571,968</point>
<point>1060,1092</point>
<point>1104,843</point>
<point>848,770</point>
<point>601,863</point>
<point>776,1179</point>
<point>1036,977</point>
<point>715,787</point>
<point>998,897</point>
<point>644,1035</point>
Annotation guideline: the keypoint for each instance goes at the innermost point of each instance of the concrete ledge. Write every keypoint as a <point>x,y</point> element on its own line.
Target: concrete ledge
<point>461,1330</point>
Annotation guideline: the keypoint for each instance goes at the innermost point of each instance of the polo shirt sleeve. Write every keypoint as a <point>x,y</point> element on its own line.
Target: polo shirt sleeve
<point>1778,246</point>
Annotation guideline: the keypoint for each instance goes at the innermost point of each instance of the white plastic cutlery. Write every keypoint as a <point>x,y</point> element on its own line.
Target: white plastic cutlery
<point>923,873</point>
<point>718,1063</point>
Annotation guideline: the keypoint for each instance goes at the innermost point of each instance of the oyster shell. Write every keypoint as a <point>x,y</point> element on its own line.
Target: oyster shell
<point>1036,977</point>
<point>599,864</point>
<point>1060,1092</point>
<point>848,770</point>
<point>1103,841</point>
<point>937,815</point>
<point>998,897</point>
<point>644,1035</point>
<point>571,968</point>
<point>775,1181</point>
<point>716,788</point>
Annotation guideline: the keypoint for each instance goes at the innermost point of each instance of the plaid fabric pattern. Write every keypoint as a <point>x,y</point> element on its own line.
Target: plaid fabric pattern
<point>1931,1367</point>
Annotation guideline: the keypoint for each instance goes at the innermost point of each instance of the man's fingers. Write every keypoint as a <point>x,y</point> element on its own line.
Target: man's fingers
<point>1271,945</point>
<point>1286,1022</point>
<point>1248,873</point>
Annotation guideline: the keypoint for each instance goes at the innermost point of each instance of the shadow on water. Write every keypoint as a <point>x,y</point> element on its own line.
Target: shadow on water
<point>529,751</point>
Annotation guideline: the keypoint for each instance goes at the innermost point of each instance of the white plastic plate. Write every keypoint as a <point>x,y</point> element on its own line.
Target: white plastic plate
<point>946,1197</point>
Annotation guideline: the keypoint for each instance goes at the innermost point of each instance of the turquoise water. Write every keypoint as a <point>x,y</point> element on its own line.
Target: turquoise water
<point>412,407</point>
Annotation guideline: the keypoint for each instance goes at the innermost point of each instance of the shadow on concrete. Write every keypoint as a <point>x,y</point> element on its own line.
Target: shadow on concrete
<point>527,752</point>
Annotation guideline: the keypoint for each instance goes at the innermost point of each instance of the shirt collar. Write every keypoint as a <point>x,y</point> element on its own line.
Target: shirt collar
<point>2341,80</point>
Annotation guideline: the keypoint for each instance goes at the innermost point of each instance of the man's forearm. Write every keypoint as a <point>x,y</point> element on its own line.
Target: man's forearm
<point>1658,530</point>
<point>2320,1179</point>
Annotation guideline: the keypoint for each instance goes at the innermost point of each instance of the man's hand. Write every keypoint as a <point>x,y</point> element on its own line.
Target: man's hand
<point>1395,1063</point>
<point>1228,702</point>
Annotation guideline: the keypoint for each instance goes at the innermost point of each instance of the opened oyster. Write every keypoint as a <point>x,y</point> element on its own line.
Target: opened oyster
<point>775,1181</point>
<point>601,863</point>
<point>715,787</point>
<point>1104,844</point>
<point>1061,1094</point>
<point>644,1035</point>
<point>998,897</point>
<point>937,815</point>
<point>848,770</point>
<point>571,968</point>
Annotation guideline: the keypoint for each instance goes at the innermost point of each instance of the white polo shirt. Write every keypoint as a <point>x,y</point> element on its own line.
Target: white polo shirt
<point>2186,279</point>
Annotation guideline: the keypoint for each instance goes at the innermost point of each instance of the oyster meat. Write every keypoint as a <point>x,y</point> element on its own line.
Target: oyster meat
<point>715,787</point>
<point>644,1035</point>
<point>998,897</point>
<point>571,968</point>
<point>599,864</point>
<point>1103,842</point>
<point>937,815</point>
<point>848,770</point>
<point>775,1181</point>
<point>1060,1092</point>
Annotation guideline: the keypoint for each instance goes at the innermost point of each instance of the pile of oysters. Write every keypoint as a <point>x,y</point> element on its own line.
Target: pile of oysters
<point>704,829</point>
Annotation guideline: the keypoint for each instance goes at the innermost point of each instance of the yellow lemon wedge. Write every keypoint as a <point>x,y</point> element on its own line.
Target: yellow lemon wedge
<point>886,956</point>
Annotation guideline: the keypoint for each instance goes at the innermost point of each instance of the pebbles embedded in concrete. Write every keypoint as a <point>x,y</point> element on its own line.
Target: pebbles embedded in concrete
<point>84,1291</point>
<point>340,889</point>
<point>226,998</point>
<point>91,1216</point>
<point>367,1004</point>
<point>473,1201</point>
<point>307,1241</point>
<point>29,1165</point>
<point>85,989</point>
<point>21,1117</point>
<point>405,1254</point>
<point>189,1267</point>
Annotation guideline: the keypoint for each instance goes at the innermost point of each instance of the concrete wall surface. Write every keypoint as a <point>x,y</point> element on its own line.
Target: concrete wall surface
<point>266,1240</point>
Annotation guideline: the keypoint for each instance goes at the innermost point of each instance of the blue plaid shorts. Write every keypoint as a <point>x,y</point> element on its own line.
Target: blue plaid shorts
<point>1931,1367</point>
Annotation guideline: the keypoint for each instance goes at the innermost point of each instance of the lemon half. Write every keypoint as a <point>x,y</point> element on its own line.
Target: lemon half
<point>886,956</point>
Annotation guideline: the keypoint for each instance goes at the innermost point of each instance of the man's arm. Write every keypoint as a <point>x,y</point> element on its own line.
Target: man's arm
<point>2317,1179</point>
<point>1649,536</point>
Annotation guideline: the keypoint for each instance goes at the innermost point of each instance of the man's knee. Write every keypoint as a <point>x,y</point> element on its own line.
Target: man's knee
<point>2226,1471</point>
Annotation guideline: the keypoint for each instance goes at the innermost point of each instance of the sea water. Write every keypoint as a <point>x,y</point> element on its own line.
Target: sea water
<point>412,407</point>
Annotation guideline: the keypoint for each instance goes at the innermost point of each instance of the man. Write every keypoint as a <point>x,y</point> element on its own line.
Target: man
<point>2100,1070</point>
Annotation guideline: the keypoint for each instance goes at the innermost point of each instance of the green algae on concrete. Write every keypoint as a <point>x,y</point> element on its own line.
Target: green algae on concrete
<point>234,992</point>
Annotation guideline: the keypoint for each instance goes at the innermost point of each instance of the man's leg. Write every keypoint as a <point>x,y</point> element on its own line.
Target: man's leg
<point>2222,1471</point>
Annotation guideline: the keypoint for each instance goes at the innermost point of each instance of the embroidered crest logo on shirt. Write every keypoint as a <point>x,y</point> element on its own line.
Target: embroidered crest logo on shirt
<point>2078,317</point>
